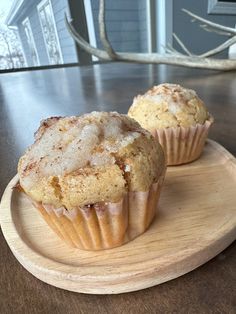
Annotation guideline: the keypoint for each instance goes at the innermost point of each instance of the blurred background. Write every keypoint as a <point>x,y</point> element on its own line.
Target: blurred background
<point>33,32</point>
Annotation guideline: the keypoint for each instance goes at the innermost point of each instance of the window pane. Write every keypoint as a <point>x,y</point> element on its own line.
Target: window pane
<point>11,54</point>
<point>49,33</point>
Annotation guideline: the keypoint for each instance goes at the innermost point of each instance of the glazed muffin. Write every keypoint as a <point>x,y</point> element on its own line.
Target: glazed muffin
<point>96,178</point>
<point>177,117</point>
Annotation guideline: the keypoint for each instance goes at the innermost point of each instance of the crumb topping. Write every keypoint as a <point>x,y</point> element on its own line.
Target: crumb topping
<point>168,105</point>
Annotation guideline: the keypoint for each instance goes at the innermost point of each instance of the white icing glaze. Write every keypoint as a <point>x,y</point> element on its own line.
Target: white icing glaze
<point>66,144</point>
<point>127,168</point>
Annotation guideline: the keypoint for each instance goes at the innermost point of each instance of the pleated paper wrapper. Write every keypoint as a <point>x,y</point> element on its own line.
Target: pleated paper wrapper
<point>183,144</point>
<point>107,225</point>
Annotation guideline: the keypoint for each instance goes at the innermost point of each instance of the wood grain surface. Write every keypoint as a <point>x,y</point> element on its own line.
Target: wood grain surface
<point>190,228</point>
<point>30,96</point>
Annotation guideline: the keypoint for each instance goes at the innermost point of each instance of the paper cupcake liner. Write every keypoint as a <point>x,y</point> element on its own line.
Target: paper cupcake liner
<point>104,225</point>
<point>183,144</point>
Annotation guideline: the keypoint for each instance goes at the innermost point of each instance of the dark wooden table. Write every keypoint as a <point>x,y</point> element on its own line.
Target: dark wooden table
<point>28,97</point>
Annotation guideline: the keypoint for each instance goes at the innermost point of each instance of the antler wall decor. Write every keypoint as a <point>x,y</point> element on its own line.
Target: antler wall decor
<point>172,56</point>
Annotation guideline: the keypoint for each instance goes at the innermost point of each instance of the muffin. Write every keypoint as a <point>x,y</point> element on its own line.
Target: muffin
<point>177,117</point>
<point>96,178</point>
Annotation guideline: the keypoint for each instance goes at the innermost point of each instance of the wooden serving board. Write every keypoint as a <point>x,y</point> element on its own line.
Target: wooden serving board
<point>196,220</point>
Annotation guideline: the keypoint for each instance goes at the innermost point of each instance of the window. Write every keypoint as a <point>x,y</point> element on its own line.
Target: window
<point>30,41</point>
<point>221,7</point>
<point>49,32</point>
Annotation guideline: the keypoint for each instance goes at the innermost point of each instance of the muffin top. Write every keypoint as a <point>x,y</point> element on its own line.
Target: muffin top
<point>168,105</point>
<point>82,160</point>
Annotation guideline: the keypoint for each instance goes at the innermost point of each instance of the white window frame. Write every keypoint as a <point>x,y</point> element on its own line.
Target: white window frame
<point>149,27</point>
<point>27,20</point>
<point>90,25</point>
<point>39,7</point>
<point>219,7</point>
<point>164,24</point>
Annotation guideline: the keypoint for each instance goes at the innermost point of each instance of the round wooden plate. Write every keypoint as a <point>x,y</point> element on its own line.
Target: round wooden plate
<point>196,220</point>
